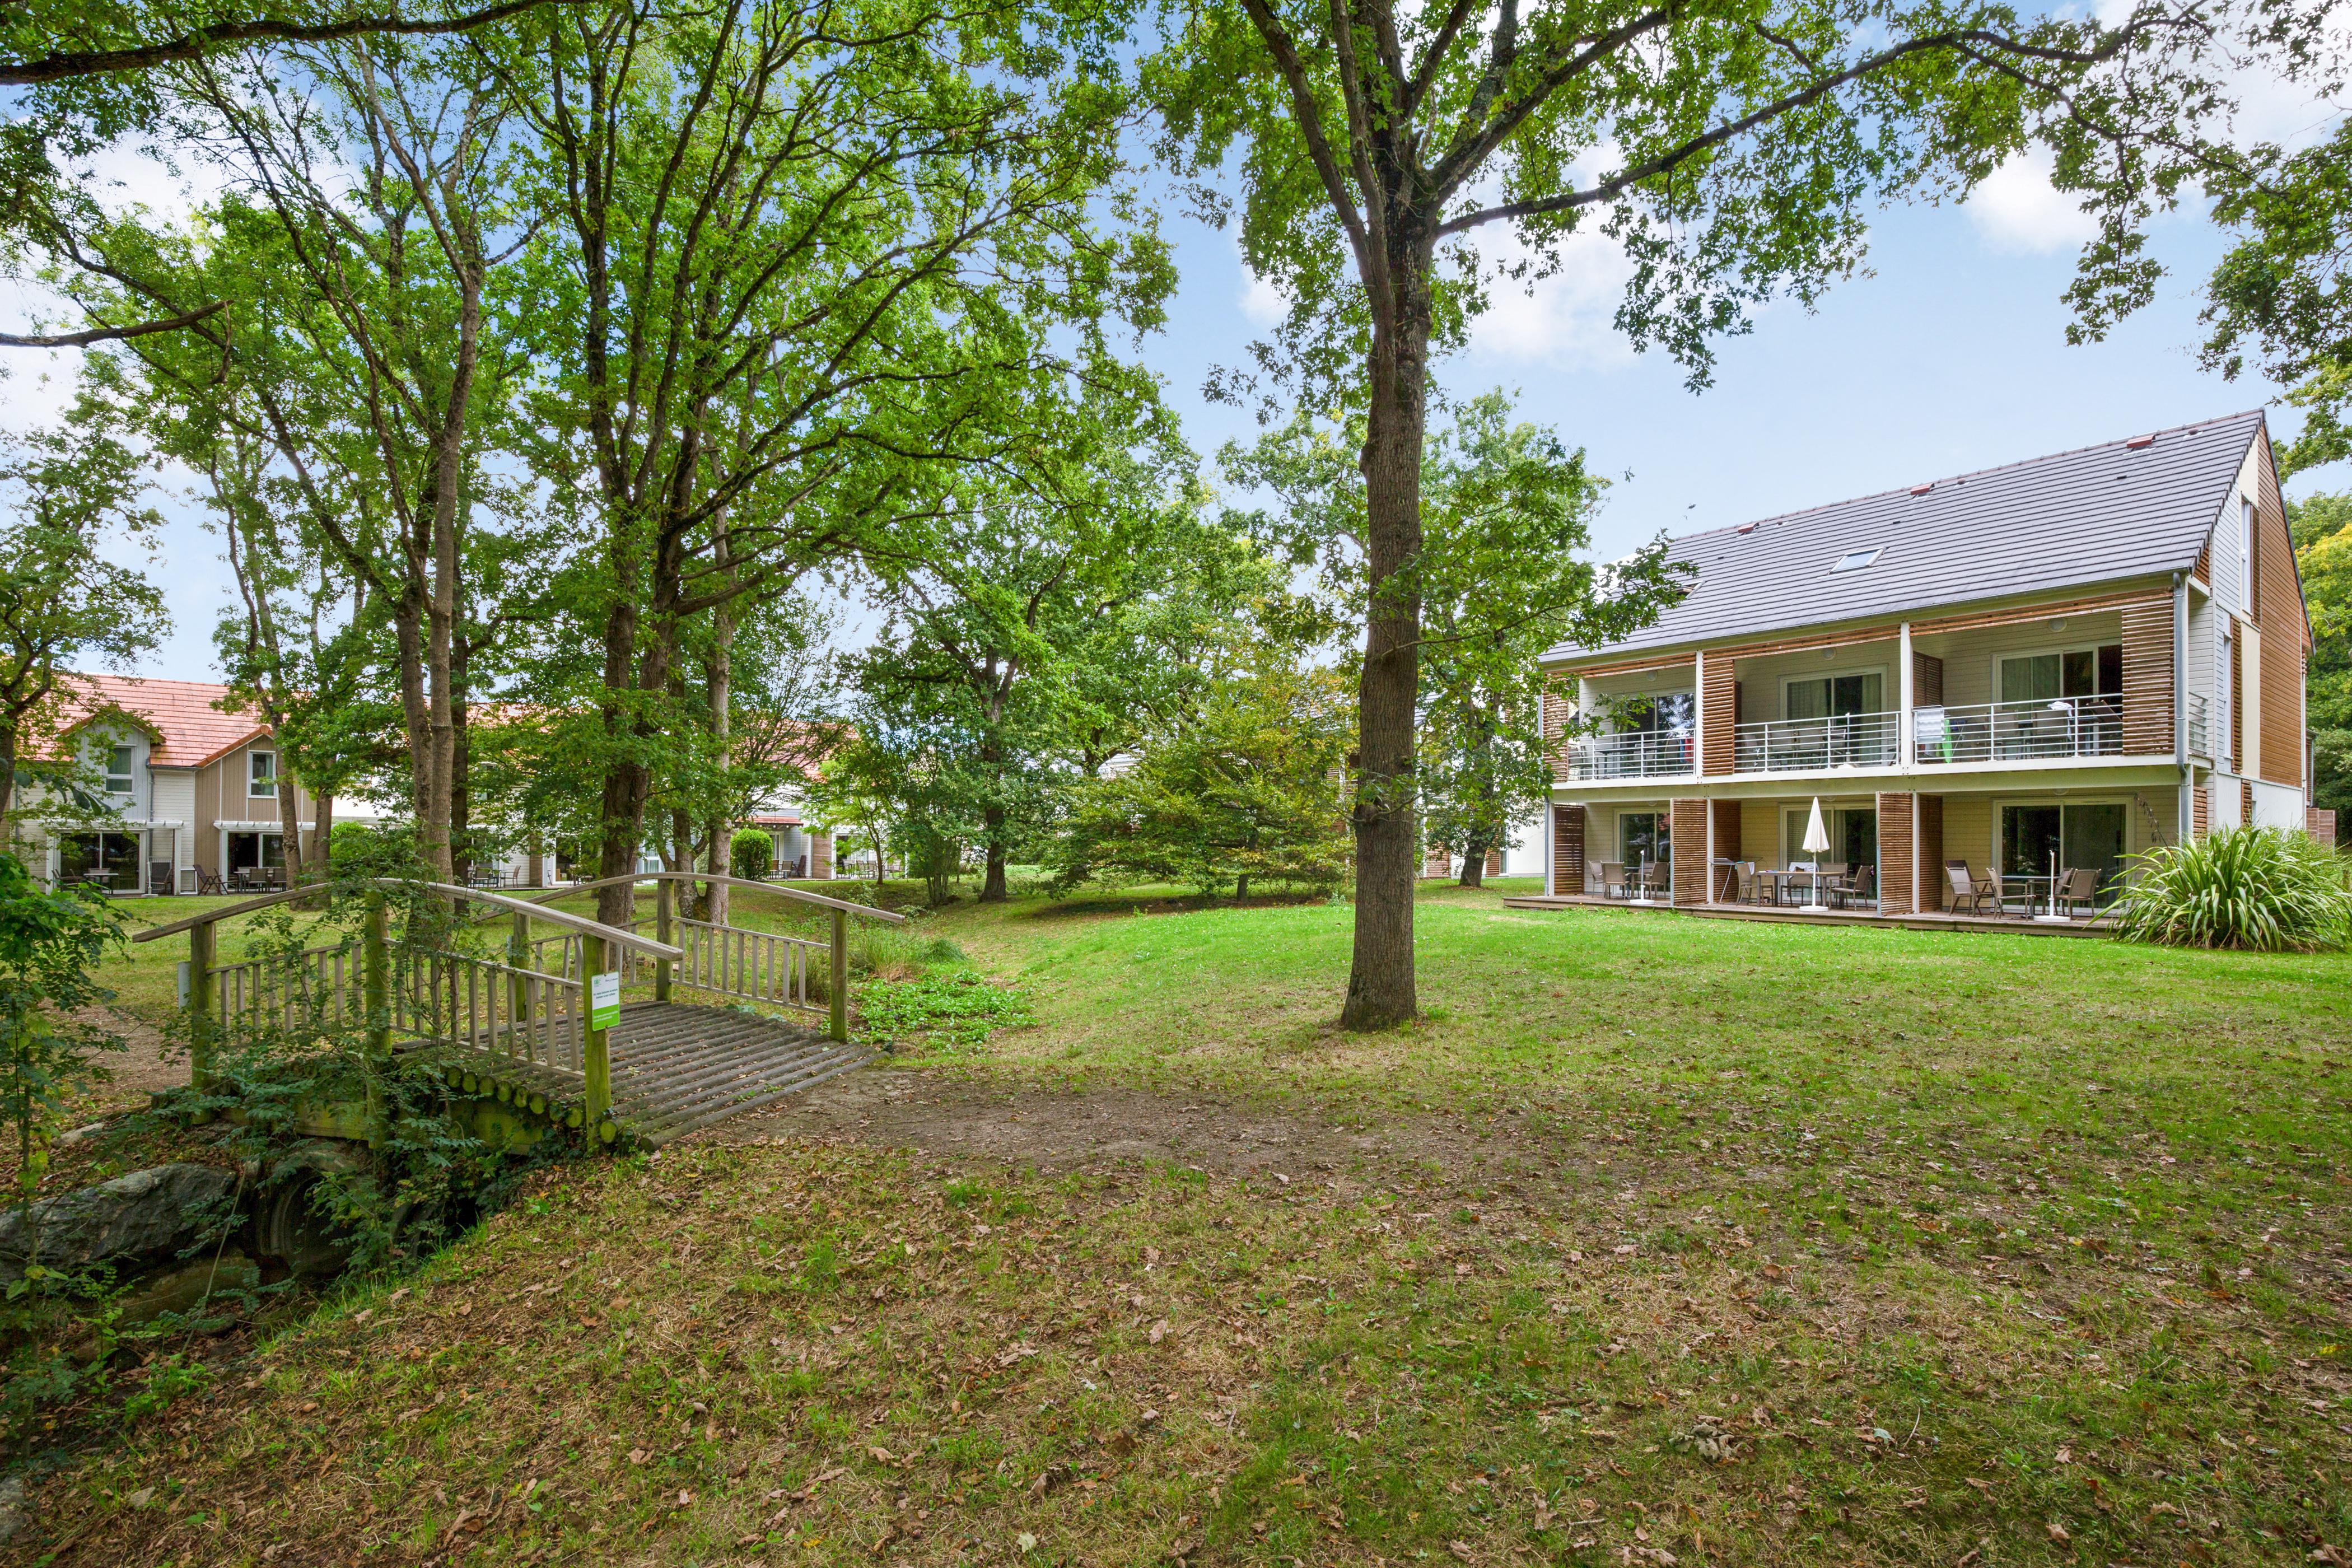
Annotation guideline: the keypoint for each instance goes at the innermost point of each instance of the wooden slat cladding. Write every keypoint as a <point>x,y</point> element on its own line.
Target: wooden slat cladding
<point>1805,643</point>
<point>2287,630</point>
<point>2245,803</point>
<point>1718,712</point>
<point>1689,835</point>
<point>1895,895</point>
<point>2120,601</point>
<point>1624,666</point>
<point>1567,849</point>
<point>1926,680</point>
<point>2237,702</point>
<point>1727,829</point>
<point>2201,812</point>
<point>1558,702</point>
<point>1929,827</point>
<point>2148,677</point>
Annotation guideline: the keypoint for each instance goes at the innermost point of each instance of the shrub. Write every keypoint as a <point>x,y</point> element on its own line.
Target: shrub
<point>754,854</point>
<point>2261,888</point>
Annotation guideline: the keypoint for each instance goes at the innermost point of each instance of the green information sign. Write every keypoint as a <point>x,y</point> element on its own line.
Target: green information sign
<point>604,1000</point>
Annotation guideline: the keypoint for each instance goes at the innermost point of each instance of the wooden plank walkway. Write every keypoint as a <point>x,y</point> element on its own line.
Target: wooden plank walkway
<point>677,1067</point>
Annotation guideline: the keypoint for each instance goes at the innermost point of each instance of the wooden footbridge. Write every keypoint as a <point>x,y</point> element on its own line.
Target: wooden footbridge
<point>541,1030</point>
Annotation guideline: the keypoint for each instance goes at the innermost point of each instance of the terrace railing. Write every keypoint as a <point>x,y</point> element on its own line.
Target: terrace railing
<point>2020,731</point>
<point>1812,746</point>
<point>1631,755</point>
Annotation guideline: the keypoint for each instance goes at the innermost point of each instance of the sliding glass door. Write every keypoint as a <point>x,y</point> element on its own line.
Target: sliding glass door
<point>2088,837</point>
<point>1853,834</point>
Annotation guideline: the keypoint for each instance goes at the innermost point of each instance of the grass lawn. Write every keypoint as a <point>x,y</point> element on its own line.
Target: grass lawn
<point>1659,1241</point>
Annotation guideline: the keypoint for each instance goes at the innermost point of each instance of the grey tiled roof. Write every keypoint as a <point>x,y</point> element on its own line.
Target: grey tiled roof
<point>2097,515</point>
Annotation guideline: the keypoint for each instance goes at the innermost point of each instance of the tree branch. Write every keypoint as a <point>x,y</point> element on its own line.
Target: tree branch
<point>108,334</point>
<point>71,64</point>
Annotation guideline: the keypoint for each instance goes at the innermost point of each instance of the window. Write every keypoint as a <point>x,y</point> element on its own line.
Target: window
<point>108,859</point>
<point>1854,836</point>
<point>2074,837</point>
<point>1855,560</point>
<point>2076,672</point>
<point>2246,556</point>
<point>1642,836</point>
<point>1662,713</point>
<point>118,770</point>
<point>1825,696</point>
<point>261,774</point>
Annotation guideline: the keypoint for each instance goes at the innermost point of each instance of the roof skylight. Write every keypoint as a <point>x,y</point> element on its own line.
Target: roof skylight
<point>1855,560</point>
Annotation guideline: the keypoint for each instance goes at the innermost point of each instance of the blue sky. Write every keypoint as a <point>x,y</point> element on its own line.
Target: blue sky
<point>1952,356</point>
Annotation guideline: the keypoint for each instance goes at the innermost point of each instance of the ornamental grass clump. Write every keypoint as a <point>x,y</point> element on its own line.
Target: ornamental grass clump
<point>2262,889</point>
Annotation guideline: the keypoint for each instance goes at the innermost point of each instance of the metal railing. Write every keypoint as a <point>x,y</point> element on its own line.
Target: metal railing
<point>1805,745</point>
<point>2020,732</point>
<point>2201,733</point>
<point>1630,754</point>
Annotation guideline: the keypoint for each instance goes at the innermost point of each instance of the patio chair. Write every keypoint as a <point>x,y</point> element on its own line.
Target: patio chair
<point>1860,888</point>
<point>1654,878</point>
<point>1612,875</point>
<point>1748,887</point>
<point>2079,885</point>
<point>209,882</point>
<point>159,877</point>
<point>1968,893</point>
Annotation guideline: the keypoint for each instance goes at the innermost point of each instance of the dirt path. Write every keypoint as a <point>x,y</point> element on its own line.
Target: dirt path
<point>968,1116</point>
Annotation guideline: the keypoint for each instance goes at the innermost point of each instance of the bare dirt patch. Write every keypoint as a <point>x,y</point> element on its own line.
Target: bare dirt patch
<point>946,1115</point>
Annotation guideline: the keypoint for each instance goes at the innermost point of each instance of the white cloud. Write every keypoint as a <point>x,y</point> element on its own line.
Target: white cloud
<point>1263,301</point>
<point>2018,210</point>
<point>1567,319</point>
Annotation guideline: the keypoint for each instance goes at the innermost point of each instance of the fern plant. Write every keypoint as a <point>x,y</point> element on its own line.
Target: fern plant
<point>2262,889</point>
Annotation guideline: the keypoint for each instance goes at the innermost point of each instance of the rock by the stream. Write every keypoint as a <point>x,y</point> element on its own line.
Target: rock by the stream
<point>145,1217</point>
<point>12,1508</point>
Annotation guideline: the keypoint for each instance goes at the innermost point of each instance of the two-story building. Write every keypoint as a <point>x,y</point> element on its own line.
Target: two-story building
<point>193,788</point>
<point>2048,667</point>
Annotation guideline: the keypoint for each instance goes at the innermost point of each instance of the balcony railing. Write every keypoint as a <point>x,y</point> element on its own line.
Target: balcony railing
<point>2200,734</point>
<point>2020,731</point>
<point>1806,745</point>
<point>1632,755</point>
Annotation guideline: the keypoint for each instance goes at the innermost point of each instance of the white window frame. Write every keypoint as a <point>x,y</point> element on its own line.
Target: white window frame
<point>2046,651</point>
<point>130,775</point>
<point>2245,556</point>
<point>1883,671</point>
<point>252,779</point>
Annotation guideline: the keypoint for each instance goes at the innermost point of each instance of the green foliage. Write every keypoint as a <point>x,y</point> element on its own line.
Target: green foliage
<point>752,853</point>
<point>2281,295</point>
<point>953,1010</point>
<point>1245,789</point>
<point>75,491</point>
<point>2322,527</point>
<point>2260,889</point>
<point>50,946</point>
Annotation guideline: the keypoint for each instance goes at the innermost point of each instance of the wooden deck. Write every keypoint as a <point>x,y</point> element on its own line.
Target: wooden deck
<point>1926,920</point>
<point>677,1066</point>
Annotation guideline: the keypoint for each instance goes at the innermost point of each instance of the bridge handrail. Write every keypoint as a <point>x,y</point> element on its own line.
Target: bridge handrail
<point>844,905</point>
<point>580,924</point>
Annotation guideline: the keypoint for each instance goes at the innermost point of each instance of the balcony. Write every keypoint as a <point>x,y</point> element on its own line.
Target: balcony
<point>1814,745</point>
<point>2020,731</point>
<point>1632,755</point>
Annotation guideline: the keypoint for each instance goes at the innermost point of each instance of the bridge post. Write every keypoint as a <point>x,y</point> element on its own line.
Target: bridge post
<point>837,983</point>
<point>661,933</point>
<point>517,960</point>
<point>595,1051</point>
<point>200,1006</point>
<point>376,997</point>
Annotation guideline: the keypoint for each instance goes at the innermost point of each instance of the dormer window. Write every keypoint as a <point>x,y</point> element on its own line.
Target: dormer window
<point>262,774</point>
<point>118,770</point>
<point>1855,560</point>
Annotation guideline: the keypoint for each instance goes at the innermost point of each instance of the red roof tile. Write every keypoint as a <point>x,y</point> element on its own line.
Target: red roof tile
<point>178,714</point>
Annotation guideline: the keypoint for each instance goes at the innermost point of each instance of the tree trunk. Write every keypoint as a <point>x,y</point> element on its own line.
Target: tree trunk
<point>416,707</point>
<point>991,889</point>
<point>1388,838</point>
<point>322,834</point>
<point>723,700</point>
<point>7,780</point>
<point>289,822</point>
<point>1473,862</point>
<point>1241,888</point>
